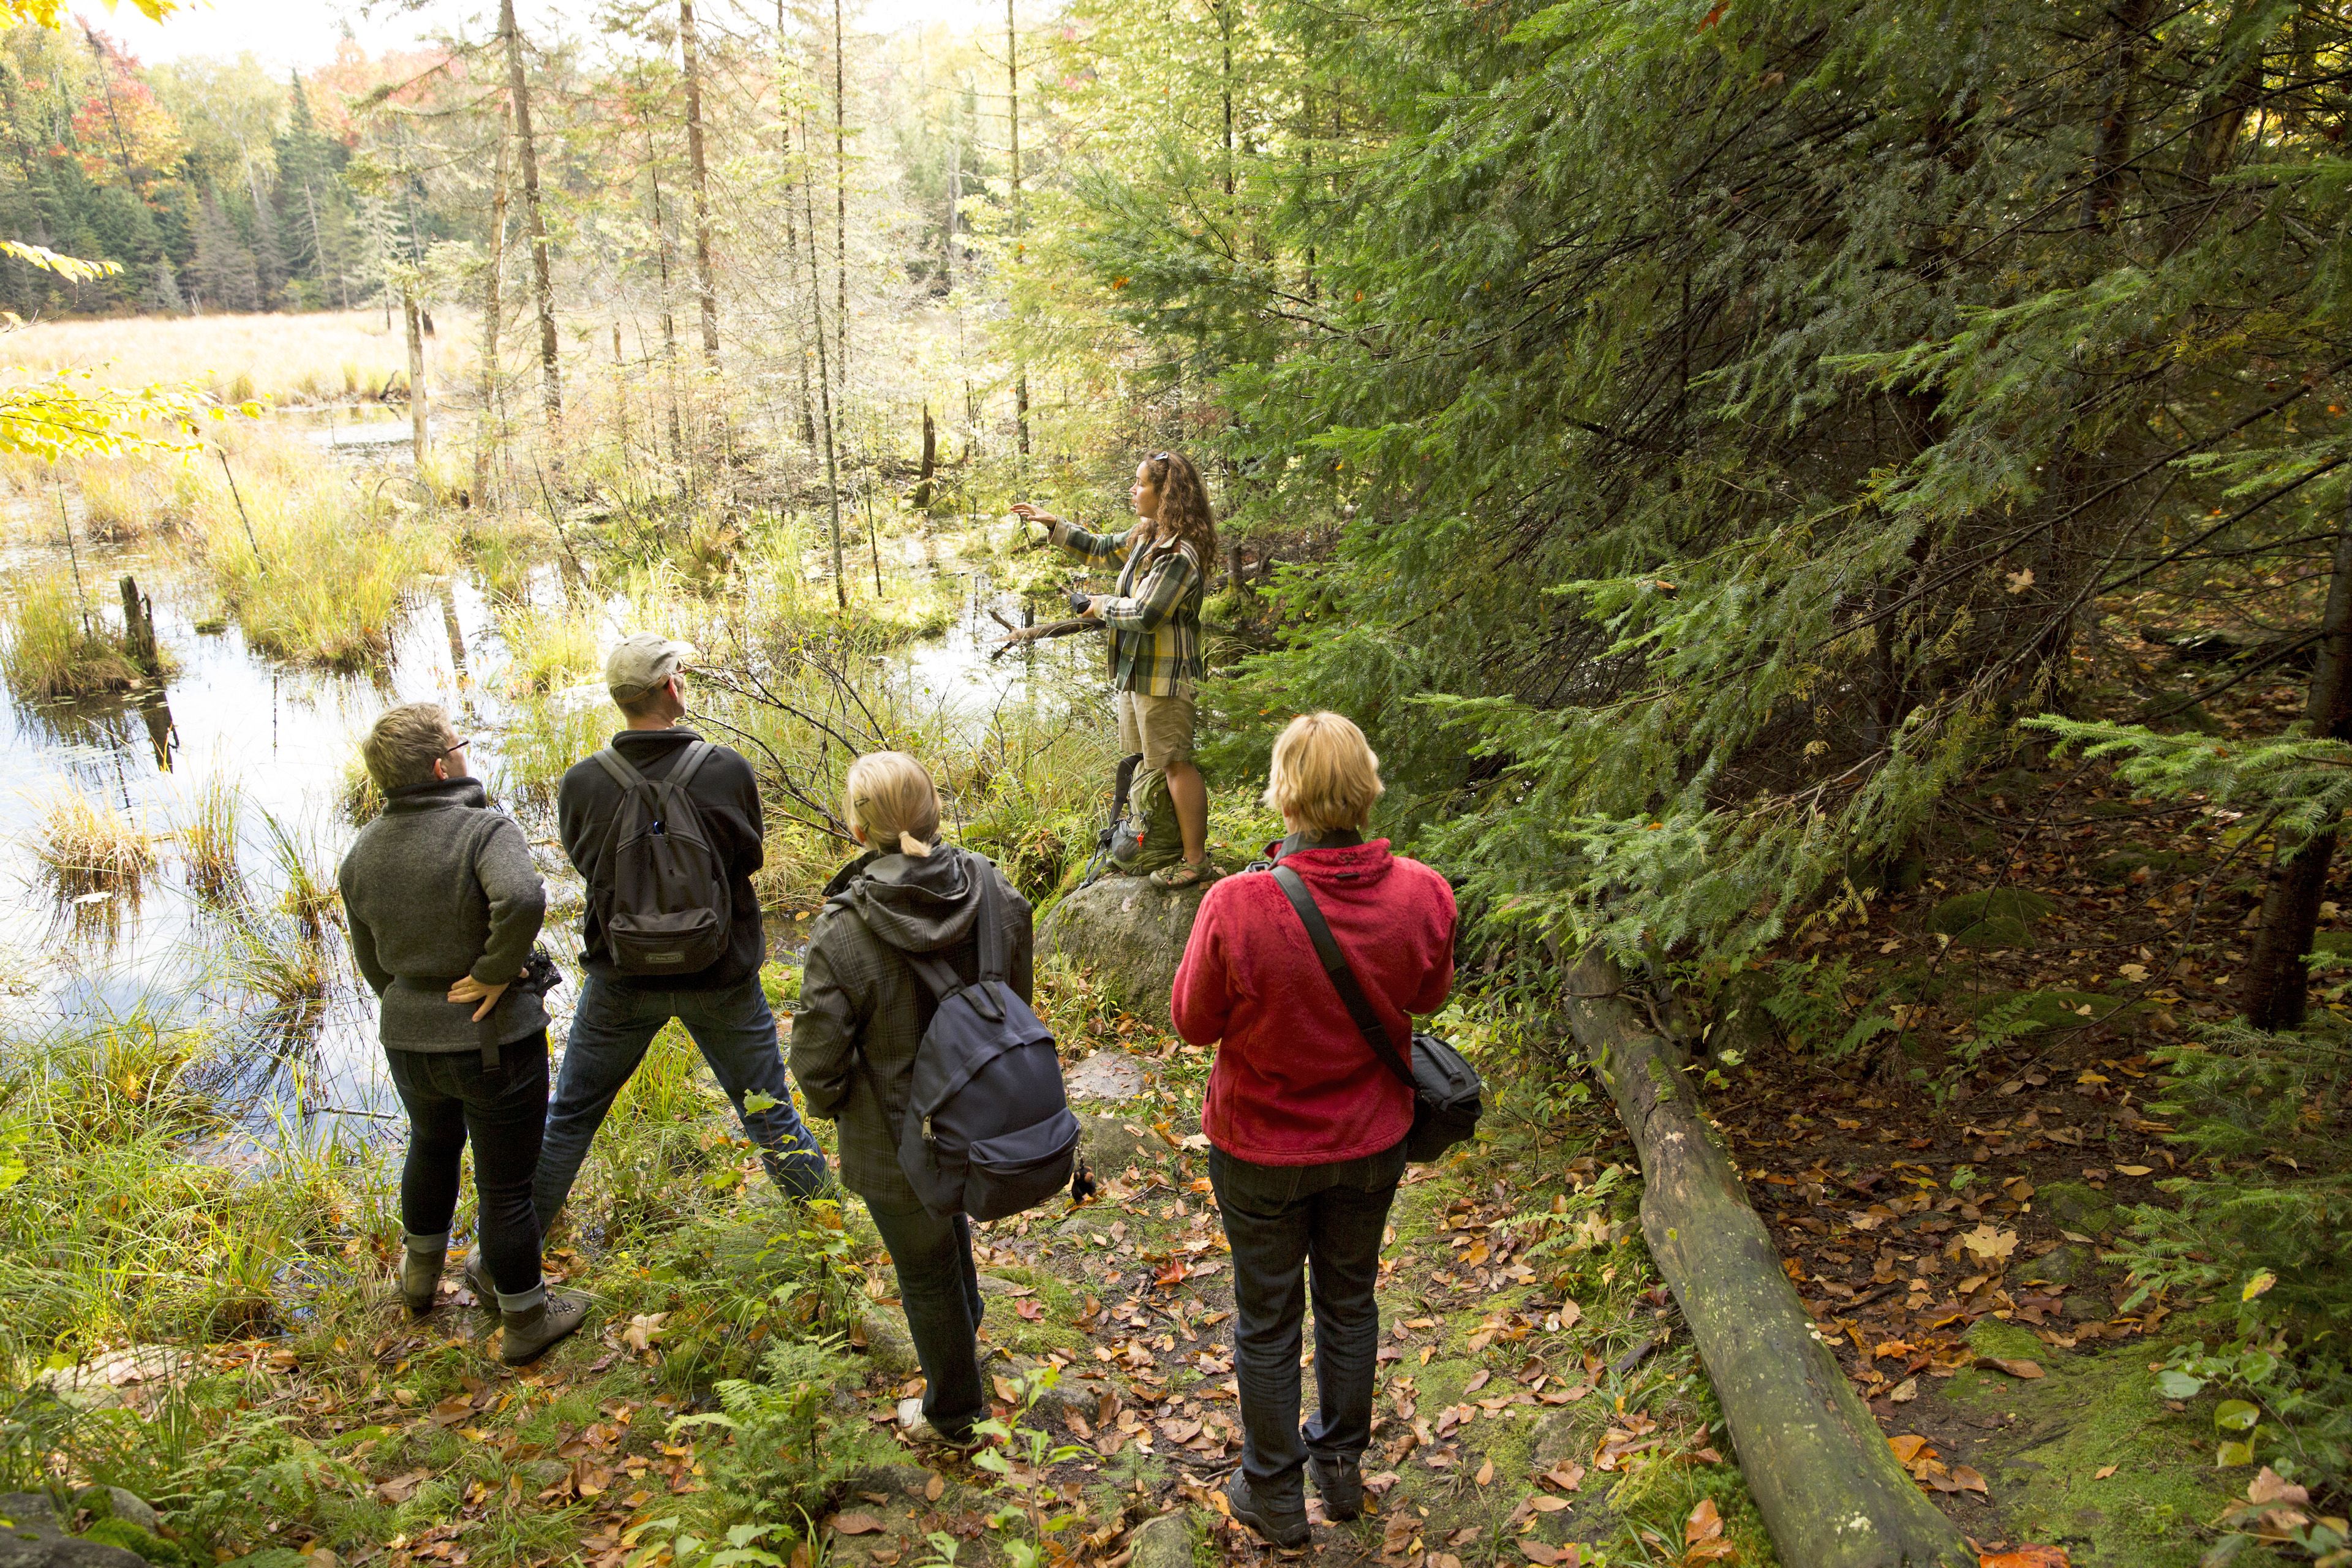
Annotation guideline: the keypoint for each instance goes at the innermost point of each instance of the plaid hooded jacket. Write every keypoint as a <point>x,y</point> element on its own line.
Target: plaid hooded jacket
<point>1155,616</point>
<point>862,1011</point>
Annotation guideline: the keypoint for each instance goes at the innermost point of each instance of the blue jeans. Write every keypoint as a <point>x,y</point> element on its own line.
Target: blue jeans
<point>1281,1218</point>
<point>939,1290</point>
<point>736,1036</point>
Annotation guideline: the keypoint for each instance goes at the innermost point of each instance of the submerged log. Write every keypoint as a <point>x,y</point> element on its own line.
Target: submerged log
<point>1829,1487</point>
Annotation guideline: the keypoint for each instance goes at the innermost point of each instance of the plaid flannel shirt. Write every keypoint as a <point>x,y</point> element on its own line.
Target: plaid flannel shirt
<point>1155,615</point>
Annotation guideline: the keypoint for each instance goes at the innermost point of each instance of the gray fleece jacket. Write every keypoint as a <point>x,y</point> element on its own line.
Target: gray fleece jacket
<point>442,886</point>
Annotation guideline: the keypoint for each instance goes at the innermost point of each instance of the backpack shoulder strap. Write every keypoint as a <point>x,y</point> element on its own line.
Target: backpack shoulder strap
<point>682,774</point>
<point>1374,1029</point>
<point>994,965</point>
<point>624,775</point>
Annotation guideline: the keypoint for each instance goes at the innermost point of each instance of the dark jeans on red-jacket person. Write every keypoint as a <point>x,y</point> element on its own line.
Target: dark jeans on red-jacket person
<point>1285,1222</point>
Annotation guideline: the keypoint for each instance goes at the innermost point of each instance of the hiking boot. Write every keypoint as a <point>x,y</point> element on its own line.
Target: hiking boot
<point>918,1426</point>
<point>1340,1484</point>
<point>420,1258</point>
<point>478,1280</point>
<point>530,1330</point>
<point>1282,1526</point>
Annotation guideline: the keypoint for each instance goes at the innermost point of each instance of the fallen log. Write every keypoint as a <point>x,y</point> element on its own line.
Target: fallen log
<point>1829,1490</point>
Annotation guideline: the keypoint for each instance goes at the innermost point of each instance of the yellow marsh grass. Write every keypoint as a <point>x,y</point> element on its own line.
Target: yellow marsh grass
<point>328,357</point>
<point>88,846</point>
<point>208,840</point>
<point>314,568</point>
<point>121,497</point>
<point>50,655</point>
<point>547,648</point>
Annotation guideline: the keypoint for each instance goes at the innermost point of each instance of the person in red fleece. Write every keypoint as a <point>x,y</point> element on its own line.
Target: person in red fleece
<point>1306,1126</point>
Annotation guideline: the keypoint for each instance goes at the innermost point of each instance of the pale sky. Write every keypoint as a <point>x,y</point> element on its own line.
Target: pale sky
<point>299,33</point>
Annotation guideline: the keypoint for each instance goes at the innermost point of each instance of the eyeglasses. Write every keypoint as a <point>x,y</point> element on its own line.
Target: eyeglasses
<point>458,747</point>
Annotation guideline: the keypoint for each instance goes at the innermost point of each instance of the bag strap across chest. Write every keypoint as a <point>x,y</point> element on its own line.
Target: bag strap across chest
<point>1373,1028</point>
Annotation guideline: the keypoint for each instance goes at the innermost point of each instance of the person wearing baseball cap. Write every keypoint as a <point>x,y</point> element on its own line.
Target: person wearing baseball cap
<point>720,1004</point>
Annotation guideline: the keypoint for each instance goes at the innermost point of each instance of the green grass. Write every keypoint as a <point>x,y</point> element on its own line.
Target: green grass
<point>313,568</point>
<point>208,840</point>
<point>52,652</point>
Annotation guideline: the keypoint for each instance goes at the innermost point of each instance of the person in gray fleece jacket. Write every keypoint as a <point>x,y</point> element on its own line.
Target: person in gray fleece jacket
<point>443,904</point>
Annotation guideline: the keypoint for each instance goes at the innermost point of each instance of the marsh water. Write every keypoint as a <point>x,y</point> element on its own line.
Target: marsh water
<point>285,738</point>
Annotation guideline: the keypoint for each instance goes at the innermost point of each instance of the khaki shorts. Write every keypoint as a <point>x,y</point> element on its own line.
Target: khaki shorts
<point>1159,727</point>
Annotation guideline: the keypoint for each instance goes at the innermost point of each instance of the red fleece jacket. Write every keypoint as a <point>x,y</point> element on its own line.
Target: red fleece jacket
<point>1293,1083</point>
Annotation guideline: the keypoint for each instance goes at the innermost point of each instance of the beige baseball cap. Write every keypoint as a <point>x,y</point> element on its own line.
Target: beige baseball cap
<point>643,661</point>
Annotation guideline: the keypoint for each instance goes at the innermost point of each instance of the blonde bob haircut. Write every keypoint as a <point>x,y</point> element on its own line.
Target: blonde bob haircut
<point>1325,775</point>
<point>889,798</point>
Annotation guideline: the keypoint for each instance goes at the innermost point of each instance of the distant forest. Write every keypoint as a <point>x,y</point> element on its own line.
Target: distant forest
<point>214,186</point>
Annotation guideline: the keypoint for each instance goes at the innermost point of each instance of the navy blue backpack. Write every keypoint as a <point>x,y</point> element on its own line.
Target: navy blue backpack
<point>987,1129</point>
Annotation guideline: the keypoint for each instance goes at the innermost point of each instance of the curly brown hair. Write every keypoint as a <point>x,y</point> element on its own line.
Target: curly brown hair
<point>1184,511</point>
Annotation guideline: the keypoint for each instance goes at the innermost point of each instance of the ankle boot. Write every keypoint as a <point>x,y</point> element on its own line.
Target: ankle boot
<point>1283,1525</point>
<point>1340,1484</point>
<point>534,1320</point>
<point>420,1258</point>
<point>478,1280</point>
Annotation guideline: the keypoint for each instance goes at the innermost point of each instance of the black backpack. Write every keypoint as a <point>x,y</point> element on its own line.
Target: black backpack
<point>666,904</point>
<point>987,1130</point>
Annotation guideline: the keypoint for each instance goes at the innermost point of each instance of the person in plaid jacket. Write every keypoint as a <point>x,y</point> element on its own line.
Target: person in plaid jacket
<point>1154,619</point>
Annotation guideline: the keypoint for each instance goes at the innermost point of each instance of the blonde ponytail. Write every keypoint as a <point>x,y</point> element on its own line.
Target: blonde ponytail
<point>889,798</point>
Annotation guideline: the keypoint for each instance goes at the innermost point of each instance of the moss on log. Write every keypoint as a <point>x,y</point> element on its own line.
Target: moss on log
<point>1829,1490</point>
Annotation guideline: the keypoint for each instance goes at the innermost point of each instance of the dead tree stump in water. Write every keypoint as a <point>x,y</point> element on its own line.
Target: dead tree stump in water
<point>139,628</point>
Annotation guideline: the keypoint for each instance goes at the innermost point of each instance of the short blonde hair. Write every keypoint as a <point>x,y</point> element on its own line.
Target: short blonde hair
<point>889,796</point>
<point>1324,774</point>
<point>402,746</point>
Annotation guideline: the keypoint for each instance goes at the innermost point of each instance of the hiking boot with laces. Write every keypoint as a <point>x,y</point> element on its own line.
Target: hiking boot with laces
<point>1282,1526</point>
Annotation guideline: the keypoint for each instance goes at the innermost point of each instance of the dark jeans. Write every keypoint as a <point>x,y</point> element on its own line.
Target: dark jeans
<point>1280,1219</point>
<point>736,1036</point>
<point>939,1290</point>
<point>450,1100</point>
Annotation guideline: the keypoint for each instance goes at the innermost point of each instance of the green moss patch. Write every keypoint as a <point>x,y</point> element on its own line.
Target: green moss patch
<point>2086,1456</point>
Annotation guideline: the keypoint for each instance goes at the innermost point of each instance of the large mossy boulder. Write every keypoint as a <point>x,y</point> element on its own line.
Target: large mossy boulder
<point>32,1536</point>
<point>1128,934</point>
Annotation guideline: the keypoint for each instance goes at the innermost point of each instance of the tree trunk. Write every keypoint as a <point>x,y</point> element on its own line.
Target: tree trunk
<point>930,460</point>
<point>709,296</point>
<point>488,438</point>
<point>139,627</point>
<point>792,220</point>
<point>419,410</point>
<point>2113,150</point>
<point>2275,981</point>
<point>1829,1490</point>
<point>840,208</point>
<point>1012,115</point>
<point>824,394</point>
<point>668,320</point>
<point>535,222</point>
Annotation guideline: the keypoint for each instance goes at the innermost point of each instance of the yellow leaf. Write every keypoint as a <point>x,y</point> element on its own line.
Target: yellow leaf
<point>2257,1285</point>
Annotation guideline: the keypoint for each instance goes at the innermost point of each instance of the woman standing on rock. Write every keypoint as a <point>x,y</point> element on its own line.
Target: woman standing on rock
<point>1306,1125</point>
<point>1155,634</point>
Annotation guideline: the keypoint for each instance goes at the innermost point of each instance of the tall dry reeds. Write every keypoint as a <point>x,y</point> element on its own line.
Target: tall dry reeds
<point>328,357</point>
<point>89,847</point>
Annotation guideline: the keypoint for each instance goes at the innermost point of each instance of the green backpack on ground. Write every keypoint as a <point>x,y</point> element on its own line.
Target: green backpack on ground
<point>1141,835</point>
<point>1148,836</point>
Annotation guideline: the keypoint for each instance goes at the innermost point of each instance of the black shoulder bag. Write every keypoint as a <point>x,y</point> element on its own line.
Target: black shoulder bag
<point>1446,1088</point>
